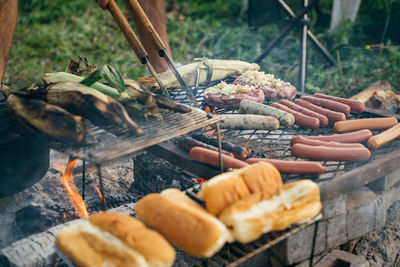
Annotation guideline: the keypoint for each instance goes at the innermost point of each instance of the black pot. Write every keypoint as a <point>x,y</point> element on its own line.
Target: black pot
<point>24,156</point>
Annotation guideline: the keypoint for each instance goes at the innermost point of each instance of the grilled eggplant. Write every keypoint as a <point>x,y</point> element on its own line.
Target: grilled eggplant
<point>99,108</point>
<point>51,120</point>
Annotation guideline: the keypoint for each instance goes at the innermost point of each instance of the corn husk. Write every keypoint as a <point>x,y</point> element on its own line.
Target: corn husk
<point>200,72</point>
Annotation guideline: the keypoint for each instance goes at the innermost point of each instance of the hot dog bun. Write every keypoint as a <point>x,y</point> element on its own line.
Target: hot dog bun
<point>225,189</point>
<point>260,213</point>
<point>183,222</point>
<point>112,239</point>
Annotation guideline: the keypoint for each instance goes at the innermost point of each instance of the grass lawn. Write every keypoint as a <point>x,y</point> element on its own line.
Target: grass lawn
<point>51,31</point>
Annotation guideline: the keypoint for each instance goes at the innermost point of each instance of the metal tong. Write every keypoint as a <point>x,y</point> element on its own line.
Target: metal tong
<point>137,11</point>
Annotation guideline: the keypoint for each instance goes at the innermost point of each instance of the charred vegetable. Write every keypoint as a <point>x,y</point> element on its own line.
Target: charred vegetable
<point>49,119</point>
<point>92,104</point>
<point>238,151</point>
<point>188,143</point>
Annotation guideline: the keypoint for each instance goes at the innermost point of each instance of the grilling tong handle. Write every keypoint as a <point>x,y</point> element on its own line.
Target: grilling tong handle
<point>128,32</point>
<point>137,11</point>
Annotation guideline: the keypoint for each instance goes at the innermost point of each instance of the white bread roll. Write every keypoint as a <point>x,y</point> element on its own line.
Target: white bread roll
<point>225,189</point>
<point>183,222</point>
<point>112,239</point>
<point>260,213</point>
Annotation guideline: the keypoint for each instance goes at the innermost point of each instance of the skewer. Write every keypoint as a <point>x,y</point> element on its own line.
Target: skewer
<point>137,12</point>
<point>133,41</point>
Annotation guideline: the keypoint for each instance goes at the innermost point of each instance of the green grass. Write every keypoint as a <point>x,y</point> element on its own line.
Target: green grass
<point>49,32</point>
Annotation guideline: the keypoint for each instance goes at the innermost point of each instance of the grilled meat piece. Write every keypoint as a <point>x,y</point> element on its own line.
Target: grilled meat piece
<point>51,120</point>
<point>99,108</point>
<point>225,95</point>
<point>274,89</point>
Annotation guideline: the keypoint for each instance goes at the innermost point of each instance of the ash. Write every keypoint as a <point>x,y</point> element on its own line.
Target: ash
<point>382,248</point>
<point>47,204</point>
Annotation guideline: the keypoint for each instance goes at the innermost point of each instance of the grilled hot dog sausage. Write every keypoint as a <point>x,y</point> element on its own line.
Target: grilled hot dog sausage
<point>311,142</point>
<point>353,137</point>
<point>329,104</point>
<point>210,157</point>
<point>333,116</point>
<point>371,124</point>
<point>323,120</point>
<point>300,119</point>
<point>290,166</point>
<point>355,105</point>
<point>330,153</point>
<point>384,137</point>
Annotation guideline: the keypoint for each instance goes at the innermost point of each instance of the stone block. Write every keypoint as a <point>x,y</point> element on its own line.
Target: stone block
<point>392,195</point>
<point>336,231</point>
<point>386,182</point>
<point>299,246</point>
<point>366,212</point>
<point>335,206</point>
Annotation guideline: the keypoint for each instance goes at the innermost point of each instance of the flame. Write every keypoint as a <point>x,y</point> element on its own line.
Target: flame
<point>67,179</point>
<point>64,216</point>
<point>207,109</point>
<point>199,180</point>
<point>98,191</point>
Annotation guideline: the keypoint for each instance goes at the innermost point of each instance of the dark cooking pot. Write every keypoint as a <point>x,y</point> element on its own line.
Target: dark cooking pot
<point>24,157</point>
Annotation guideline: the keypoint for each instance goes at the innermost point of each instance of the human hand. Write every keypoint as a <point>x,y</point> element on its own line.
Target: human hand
<point>102,3</point>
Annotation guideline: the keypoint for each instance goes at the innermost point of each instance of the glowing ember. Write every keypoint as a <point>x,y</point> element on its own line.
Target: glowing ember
<point>67,179</point>
<point>199,180</point>
<point>207,109</point>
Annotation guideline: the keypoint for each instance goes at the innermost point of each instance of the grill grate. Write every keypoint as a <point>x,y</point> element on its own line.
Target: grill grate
<point>276,144</point>
<point>111,143</point>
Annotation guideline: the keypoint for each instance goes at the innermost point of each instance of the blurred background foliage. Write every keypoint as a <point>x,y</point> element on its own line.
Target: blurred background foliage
<point>49,32</point>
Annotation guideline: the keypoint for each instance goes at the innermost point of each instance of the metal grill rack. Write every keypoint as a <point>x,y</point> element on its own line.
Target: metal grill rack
<point>113,143</point>
<point>276,144</point>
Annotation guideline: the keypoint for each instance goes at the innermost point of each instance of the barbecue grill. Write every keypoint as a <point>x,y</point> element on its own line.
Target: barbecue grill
<point>339,178</point>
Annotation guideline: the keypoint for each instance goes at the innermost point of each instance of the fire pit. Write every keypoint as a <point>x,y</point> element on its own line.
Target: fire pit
<point>341,177</point>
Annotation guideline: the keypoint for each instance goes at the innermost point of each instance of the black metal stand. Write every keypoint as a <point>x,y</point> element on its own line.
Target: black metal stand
<point>302,19</point>
<point>83,178</point>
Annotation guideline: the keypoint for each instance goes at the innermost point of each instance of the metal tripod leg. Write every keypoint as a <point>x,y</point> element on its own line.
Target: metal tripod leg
<point>303,52</point>
<point>310,35</point>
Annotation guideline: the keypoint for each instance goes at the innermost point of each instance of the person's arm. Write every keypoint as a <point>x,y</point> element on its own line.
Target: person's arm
<point>8,20</point>
<point>155,11</point>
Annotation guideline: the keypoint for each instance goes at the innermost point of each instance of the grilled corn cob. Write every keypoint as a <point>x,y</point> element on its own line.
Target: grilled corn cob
<point>136,91</point>
<point>99,108</point>
<point>52,120</point>
<point>200,72</point>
